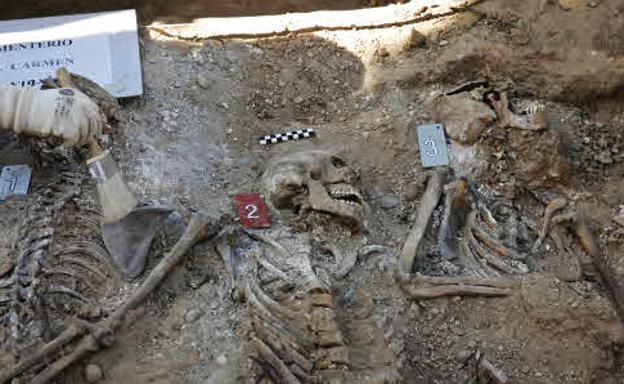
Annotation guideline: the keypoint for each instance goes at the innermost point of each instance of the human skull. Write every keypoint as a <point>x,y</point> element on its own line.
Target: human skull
<point>316,180</point>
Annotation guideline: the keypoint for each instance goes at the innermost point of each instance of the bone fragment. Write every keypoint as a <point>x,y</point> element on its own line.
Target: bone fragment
<point>455,290</point>
<point>272,320</point>
<point>282,345</point>
<point>373,248</point>
<point>495,244</point>
<point>62,290</point>
<point>346,265</point>
<point>466,280</point>
<point>429,201</point>
<point>489,257</point>
<point>470,261</point>
<point>272,304</point>
<point>606,264</point>
<point>267,354</point>
<point>199,228</point>
<point>427,287</point>
<point>507,118</point>
<point>552,207</point>
<point>467,256</point>
<point>70,333</point>
<point>488,373</point>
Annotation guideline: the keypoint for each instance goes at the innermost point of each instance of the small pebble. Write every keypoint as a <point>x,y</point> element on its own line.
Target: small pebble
<point>298,100</point>
<point>389,202</point>
<point>463,356</point>
<point>93,373</point>
<point>526,369</point>
<point>222,360</point>
<point>605,157</point>
<point>443,43</point>
<point>192,315</point>
<point>202,81</point>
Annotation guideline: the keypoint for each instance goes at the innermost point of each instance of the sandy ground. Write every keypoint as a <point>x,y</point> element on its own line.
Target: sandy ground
<point>191,141</point>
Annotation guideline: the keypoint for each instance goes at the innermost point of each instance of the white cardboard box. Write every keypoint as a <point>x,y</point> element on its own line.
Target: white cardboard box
<point>101,46</point>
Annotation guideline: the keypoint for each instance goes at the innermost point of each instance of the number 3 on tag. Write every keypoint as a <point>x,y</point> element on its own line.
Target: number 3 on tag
<point>251,210</point>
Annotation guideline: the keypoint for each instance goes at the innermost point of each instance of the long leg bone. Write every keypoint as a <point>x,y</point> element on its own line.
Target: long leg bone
<point>427,287</point>
<point>70,333</point>
<point>198,229</point>
<point>480,264</point>
<point>429,202</point>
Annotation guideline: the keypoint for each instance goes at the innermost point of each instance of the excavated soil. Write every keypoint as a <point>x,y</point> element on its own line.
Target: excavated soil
<point>192,141</point>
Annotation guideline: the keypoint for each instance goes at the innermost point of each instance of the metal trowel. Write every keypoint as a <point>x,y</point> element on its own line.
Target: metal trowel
<point>129,239</point>
<point>128,229</point>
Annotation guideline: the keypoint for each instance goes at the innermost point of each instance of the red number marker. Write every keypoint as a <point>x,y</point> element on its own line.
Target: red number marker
<point>251,210</point>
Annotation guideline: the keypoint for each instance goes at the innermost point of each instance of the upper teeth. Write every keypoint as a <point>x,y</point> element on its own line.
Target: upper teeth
<point>344,191</point>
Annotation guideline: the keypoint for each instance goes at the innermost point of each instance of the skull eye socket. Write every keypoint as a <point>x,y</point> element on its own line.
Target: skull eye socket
<point>338,162</point>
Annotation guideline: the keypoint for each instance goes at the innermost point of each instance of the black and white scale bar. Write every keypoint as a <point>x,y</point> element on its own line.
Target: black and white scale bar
<point>282,137</point>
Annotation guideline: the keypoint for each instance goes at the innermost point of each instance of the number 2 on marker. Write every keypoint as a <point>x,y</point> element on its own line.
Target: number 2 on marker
<point>251,211</point>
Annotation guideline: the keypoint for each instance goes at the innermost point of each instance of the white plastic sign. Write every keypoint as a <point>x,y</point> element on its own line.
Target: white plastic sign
<point>103,47</point>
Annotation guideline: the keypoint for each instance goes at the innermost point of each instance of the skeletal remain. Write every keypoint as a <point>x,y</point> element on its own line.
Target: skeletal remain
<point>575,219</point>
<point>344,264</point>
<point>552,207</point>
<point>295,333</point>
<point>387,258</point>
<point>533,120</point>
<point>41,276</point>
<point>482,254</point>
<point>488,373</point>
<point>295,336</point>
<point>35,250</point>
<point>427,287</point>
<point>576,222</point>
<point>100,335</point>
<point>425,209</point>
<point>315,180</point>
<point>59,261</point>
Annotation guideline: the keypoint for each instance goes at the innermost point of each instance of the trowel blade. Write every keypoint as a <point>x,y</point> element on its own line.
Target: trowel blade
<point>129,240</point>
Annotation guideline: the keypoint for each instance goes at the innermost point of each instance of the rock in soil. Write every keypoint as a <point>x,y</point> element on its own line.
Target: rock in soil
<point>93,373</point>
<point>464,118</point>
<point>193,315</point>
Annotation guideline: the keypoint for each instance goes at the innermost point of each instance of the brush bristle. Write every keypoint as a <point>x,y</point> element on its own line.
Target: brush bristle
<point>115,198</point>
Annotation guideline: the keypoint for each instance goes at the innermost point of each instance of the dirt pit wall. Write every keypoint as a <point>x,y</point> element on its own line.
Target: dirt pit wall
<point>177,11</point>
